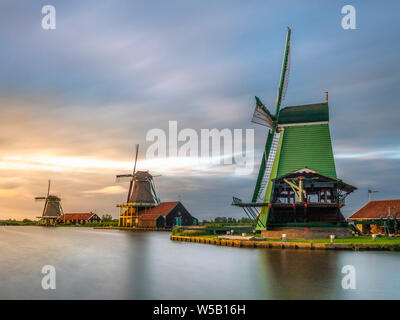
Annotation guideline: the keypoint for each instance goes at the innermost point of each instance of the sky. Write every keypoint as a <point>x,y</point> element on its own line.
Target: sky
<point>75,100</point>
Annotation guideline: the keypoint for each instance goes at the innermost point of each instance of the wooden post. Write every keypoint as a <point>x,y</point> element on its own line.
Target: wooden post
<point>305,213</point>
<point>294,211</point>
<point>300,190</point>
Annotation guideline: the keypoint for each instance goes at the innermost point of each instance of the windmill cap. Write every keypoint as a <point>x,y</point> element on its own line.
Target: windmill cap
<point>53,198</point>
<point>143,175</point>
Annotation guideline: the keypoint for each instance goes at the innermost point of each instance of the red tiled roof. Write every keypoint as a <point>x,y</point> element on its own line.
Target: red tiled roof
<point>376,209</point>
<point>150,216</point>
<point>163,208</point>
<point>76,216</point>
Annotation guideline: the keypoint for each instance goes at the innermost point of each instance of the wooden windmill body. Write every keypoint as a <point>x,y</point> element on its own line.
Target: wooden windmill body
<point>141,196</point>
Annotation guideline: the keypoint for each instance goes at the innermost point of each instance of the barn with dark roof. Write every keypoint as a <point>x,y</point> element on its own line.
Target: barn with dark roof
<point>166,215</point>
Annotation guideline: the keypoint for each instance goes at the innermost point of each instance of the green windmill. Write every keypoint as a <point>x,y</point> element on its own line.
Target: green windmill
<point>297,187</point>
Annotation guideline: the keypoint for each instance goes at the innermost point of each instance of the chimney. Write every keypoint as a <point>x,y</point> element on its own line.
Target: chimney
<point>326,96</point>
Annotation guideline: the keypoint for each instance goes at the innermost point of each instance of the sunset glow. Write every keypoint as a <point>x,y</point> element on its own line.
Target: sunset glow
<point>75,101</point>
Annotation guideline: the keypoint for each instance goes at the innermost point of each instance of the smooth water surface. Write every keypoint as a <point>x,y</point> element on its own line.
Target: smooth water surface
<point>113,264</point>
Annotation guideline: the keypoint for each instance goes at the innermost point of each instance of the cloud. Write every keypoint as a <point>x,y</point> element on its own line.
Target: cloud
<point>382,154</point>
<point>75,101</point>
<point>107,190</point>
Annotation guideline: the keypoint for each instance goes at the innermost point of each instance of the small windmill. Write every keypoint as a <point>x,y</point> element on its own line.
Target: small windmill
<point>141,185</point>
<point>52,208</point>
<point>141,195</point>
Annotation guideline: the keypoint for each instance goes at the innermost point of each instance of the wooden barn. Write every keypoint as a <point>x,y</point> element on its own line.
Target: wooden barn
<point>166,215</point>
<point>78,218</point>
<point>152,221</point>
<point>378,216</point>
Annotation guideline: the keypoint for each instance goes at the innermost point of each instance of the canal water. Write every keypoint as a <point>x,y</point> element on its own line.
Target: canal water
<point>113,264</point>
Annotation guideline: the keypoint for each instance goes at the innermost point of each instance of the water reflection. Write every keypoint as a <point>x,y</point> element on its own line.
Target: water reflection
<point>108,264</point>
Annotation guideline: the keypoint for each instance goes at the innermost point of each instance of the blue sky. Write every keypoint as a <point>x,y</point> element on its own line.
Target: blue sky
<point>112,70</point>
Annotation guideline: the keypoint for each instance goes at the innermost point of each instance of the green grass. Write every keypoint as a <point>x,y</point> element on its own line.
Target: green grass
<point>11,222</point>
<point>227,224</point>
<point>353,240</point>
<point>101,224</point>
<point>362,240</point>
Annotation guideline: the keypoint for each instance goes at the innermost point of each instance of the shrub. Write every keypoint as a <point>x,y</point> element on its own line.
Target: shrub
<point>177,231</point>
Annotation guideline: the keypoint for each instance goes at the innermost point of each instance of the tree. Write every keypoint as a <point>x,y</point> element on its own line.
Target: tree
<point>245,220</point>
<point>220,220</point>
<point>107,218</point>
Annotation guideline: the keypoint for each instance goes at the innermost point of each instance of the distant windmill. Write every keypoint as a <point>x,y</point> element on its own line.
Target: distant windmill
<point>370,192</point>
<point>141,195</point>
<point>141,185</point>
<point>52,208</point>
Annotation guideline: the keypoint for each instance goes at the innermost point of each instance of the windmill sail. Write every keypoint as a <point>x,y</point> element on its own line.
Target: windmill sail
<point>263,176</point>
<point>287,73</point>
<point>123,178</point>
<point>284,80</point>
<point>261,115</point>
<point>134,171</point>
<point>269,164</point>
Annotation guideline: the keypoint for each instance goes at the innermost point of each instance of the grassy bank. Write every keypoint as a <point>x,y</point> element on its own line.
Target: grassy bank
<point>101,224</point>
<point>362,244</point>
<point>12,222</point>
<point>362,240</point>
<point>356,240</point>
<point>199,231</point>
